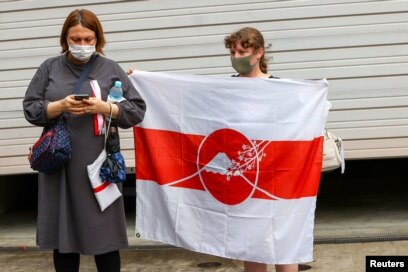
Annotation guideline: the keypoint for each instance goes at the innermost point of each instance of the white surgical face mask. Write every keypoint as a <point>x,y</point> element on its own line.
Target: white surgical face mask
<point>82,52</point>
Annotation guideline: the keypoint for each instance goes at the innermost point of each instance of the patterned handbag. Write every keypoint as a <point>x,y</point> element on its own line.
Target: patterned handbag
<point>53,149</point>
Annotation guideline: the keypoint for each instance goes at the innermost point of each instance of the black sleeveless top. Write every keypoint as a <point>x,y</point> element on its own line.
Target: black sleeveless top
<point>269,77</point>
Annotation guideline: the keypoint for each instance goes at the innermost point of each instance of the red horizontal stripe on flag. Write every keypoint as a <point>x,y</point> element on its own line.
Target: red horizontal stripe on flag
<point>164,156</point>
<point>264,169</point>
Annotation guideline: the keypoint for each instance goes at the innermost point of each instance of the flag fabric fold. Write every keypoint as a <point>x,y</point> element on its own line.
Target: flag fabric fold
<point>230,166</point>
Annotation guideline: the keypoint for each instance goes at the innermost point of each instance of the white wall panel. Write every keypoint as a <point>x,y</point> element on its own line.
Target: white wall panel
<point>360,46</point>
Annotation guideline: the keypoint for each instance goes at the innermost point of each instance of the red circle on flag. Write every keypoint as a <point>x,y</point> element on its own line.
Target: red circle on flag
<point>227,164</point>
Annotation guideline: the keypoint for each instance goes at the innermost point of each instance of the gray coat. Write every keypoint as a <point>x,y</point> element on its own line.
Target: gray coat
<point>69,218</point>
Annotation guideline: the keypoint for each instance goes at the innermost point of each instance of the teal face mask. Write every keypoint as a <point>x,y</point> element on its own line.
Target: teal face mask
<point>243,65</point>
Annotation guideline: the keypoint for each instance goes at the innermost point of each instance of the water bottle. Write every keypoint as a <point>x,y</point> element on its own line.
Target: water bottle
<point>116,93</point>
<point>112,140</point>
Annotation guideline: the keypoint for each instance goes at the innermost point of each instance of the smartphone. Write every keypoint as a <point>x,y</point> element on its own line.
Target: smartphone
<point>81,96</point>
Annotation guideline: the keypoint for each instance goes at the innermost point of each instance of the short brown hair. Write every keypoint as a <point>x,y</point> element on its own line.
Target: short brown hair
<point>86,19</point>
<point>249,38</point>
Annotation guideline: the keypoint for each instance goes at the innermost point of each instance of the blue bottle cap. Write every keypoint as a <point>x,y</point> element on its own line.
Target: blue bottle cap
<point>118,84</point>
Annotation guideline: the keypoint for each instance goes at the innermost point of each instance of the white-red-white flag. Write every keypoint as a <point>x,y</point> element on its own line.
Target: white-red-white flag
<point>230,166</point>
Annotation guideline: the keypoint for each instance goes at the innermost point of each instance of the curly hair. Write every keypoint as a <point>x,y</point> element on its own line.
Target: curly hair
<point>249,38</point>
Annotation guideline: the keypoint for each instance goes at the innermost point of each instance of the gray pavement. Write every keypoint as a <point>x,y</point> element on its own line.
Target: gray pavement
<point>356,216</point>
<point>328,258</point>
<point>336,222</point>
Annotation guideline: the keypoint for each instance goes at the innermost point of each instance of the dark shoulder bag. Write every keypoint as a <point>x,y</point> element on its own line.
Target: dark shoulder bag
<point>53,149</point>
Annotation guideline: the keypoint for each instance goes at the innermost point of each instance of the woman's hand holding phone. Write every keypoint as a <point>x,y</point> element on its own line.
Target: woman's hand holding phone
<point>81,96</point>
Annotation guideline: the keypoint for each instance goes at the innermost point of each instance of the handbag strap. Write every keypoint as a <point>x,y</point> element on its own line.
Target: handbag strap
<point>78,85</point>
<point>84,74</point>
<point>109,123</point>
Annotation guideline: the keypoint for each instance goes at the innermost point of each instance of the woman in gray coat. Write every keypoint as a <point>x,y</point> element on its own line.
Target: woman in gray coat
<point>70,220</point>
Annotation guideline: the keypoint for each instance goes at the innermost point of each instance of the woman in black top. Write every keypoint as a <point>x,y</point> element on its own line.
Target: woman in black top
<point>247,52</point>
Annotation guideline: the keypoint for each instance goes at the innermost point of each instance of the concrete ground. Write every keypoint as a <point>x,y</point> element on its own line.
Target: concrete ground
<point>357,215</point>
<point>328,258</point>
<point>338,228</point>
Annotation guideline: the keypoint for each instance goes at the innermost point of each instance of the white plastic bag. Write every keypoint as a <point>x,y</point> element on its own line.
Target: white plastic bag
<point>105,192</point>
